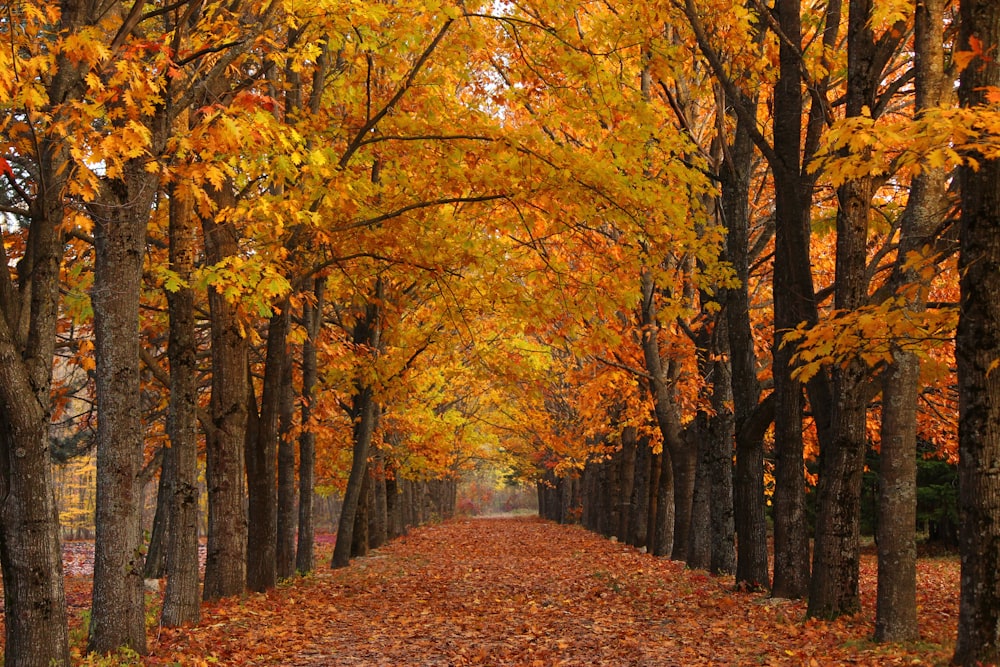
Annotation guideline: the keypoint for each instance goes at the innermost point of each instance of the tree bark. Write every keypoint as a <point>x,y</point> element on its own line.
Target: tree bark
<point>896,605</point>
<point>364,413</point>
<point>30,551</point>
<point>720,463</point>
<point>225,565</point>
<point>679,480</point>
<point>653,501</point>
<point>977,349</point>
<point>627,476</point>
<point>748,491</point>
<point>699,554</point>
<point>285,556</point>
<point>262,508</point>
<point>663,532</point>
<point>181,597</point>
<point>793,304</point>
<point>359,538</point>
<point>155,564</point>
<point>640,493</point>
<point>313,317</point>
<point>120,216</point>
<point>378,518</point>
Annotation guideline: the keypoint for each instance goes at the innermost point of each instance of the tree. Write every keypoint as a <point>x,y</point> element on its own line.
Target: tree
<point>312,315</point>
<point>364,415</point>
<point>30,553</point>
<point>836,554</point>
<point>977,349</point>
<point>896,611</point>
<point>181,598</point>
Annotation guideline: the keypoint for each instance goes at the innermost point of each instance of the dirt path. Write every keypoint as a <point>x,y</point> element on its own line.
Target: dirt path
<point>520,592</point>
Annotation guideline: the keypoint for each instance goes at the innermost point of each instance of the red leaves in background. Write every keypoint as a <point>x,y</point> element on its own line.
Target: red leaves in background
<point>5,168</point>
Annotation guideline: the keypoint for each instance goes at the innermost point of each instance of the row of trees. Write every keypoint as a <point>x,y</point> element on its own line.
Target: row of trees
<point>323,243</point>
<point>860,174</point>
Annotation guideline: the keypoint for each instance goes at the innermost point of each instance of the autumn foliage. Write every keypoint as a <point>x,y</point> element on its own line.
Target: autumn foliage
<point>691,270</point>
<point>525,592</point>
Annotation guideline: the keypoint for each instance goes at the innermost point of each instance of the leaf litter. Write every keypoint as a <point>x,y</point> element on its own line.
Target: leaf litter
<point>505,591</point>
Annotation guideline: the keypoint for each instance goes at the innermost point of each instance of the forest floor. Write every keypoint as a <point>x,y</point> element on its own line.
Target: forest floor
<point>526,592</point>
<point>520,591</point>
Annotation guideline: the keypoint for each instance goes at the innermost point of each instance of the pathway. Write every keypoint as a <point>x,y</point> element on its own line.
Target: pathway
<point>520,592</point>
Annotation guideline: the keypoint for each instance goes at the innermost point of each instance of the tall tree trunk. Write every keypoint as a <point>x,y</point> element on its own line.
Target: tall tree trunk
<point>720,462</point>
<point>680,457</point>
<point>120,218</point>
<point>837,550</point>
<point>285,556</point>
<point>748,491</point>
<point>262,509</point>
<point>225,564</point>
<point>793,303</point>
<point>181,599</point>
<point>977,349</point>
<point>30,552</point>
<point>613,495</point>
<point>364,413</point>
<point>699,554</point>
<point>313,317</point>
<point>896,607</point>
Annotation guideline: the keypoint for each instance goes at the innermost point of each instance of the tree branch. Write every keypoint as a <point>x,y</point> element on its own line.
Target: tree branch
<point>370,124</point>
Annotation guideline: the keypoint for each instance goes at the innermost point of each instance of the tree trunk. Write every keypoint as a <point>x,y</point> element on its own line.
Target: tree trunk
<point>359,542</point>
<point>977,349</point>
<point>627,476</point>
<point>313,316</point>
<point>120,218</point>
<point>748,490</point>
<point>699,554</point>
<point>684,460</point>
<point>837,551</point>
<point>30,551</point>
<point>181,598</point>
<point>793,304</point>
<point>366,411</point>
<point>679,456</point>
<point>225,564</point>
<point>262,509</point>
<point>155,564</point>
<point>393,508</point>
<point>378,530</point>
<point>640,493</point>
<point>285,556</point>
<point>663,533</point>
<point>720,463</point>
<point>612,495</point>
<point>896,607</point>
<point>653,502</point>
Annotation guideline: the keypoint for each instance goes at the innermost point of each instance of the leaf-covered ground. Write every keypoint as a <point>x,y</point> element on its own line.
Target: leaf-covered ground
<point>526,592</point>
